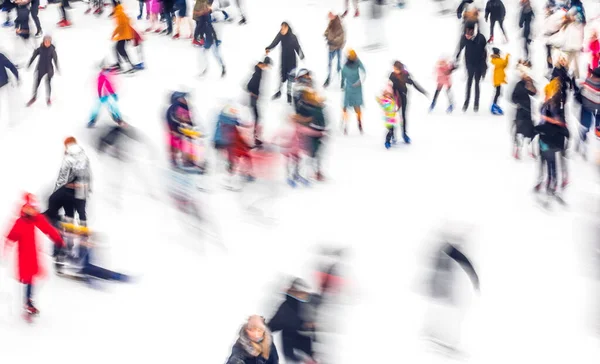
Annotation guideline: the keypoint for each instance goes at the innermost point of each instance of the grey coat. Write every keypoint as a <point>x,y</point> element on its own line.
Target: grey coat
<point>75,170</point>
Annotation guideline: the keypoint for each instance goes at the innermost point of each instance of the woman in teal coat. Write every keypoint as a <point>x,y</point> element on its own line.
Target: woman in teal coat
<point>352,86</point>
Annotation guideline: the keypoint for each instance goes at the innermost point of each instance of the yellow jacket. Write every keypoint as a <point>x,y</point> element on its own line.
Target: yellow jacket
<point>499,66</point>
<point>123,30</point>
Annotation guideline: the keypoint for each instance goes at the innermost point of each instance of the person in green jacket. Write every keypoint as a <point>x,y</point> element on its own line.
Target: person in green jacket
<point>352,86</point>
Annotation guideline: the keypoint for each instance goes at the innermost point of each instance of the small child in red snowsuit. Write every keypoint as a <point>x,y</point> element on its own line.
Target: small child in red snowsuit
<point>594,49</point>
<point>23,233</point>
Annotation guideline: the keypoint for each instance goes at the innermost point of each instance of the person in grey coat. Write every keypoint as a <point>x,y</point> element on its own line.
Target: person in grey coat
<point>352,86</point>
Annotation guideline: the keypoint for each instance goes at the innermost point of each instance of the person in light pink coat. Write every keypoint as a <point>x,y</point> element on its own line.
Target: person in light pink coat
<point>443,70</point>
<point>292,139</point>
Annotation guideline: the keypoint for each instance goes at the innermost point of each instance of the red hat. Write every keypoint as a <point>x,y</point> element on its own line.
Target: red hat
<point>70,140</point>
<point>29,201</point>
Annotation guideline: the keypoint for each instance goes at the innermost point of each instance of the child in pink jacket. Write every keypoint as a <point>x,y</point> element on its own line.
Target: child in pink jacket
<point>106,95</point>
<point>293,142</point>
<point>443,70</point>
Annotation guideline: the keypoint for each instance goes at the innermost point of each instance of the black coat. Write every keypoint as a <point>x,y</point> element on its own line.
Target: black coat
<point>47,56</point>
<point>521,96</point>
<point>525,20</point>
<point>22,20</point>
<point>4,65</point>
<point>288,319</point>
<point>475,52</point>
<point>495,9</point>
<point>554,136</point>
<point>400,88</point>
<point>240,356</point>
<point>289,49</point>
<point>566,81</point>
<point>254,83</point>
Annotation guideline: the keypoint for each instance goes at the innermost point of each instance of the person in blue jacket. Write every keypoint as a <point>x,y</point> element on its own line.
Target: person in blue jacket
<point>4,65</point>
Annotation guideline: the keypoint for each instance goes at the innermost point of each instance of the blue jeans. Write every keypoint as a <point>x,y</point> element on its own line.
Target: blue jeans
<point>111,102</point>
<point>332,54</point>
<point>588,119</point>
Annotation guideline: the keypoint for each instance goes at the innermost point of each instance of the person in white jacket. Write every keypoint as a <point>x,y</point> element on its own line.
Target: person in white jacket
<point>72,187</point>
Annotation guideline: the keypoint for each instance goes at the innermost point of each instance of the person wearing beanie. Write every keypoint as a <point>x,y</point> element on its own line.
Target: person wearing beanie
<point>336,39</point>
<point>253,89</point>
<point>352,85</point>
<point>23,234</point>
<point>388,104</point>
<point>73,185</point>
<point>45,67</point>
<point>122,34</point>
<point>254,345</point>
<point>290,50</point>
<point>400,79</point>
<point>521,97</point>
<point>443,70</point>
<point>589,97</point>
<point>474,45</point>
<point>500,65</point>
<point>106,96</point>
<point>289,319</point>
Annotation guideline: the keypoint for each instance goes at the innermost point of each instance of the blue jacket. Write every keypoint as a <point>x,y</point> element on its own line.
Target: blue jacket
<point>4,64</point>
<point>224,130</point>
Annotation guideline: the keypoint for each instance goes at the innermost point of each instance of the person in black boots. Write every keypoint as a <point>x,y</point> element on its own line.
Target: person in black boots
<point>496,10</point>
<point>475,60</point>
<point>45,67</point>
<point>525,20</point>
<point>167,8</point>
<point>400,78</point>
<point>253,88</point>
<point>289,49</point>
<point>35,9</point>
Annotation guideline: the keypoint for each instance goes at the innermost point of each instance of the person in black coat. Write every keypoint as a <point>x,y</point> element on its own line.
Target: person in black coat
<point>400,78</point>
<point>5,64</point>
<point>496,10</point>
<point>475,61</point>
<point>525,20</point>
<point>253,88</point>
<point>290,48</point>
<point>290,321</point>
<point>45,67</point>
<point>22,20</point>
<point>35,9</point>
<point>521,97</point>
<point>255,344</point>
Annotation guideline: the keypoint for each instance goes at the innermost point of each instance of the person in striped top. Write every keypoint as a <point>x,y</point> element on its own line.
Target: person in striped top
<point>388,104</point>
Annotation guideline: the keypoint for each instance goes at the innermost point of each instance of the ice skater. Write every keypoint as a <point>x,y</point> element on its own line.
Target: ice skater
<point>521,97</point>
<point>443,70</point>
<point>290,50</point>
<point>211,41</point>
<point>107,96</point>
<point>499,79</point>
<point>45,68</point>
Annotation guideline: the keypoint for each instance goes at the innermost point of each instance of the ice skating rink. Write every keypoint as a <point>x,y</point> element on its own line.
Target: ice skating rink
<point>194,288</point>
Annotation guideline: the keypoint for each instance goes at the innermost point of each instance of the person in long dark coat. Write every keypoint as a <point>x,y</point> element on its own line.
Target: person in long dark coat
<point>290,49</point>
<point>290,321</point>
<point>475,60</point>
<point>45,67</point>
<point>521,97</point>
<point>497,12</point>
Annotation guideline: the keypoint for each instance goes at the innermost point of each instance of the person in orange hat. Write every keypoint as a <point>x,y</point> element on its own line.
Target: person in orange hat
<point>23,233</point>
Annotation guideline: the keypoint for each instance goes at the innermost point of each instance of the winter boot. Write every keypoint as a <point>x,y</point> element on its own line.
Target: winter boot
<point>38,34</point>
<point>277,95</point>
<point>406,139</point>
<point>242,21</point>
<point>450,109</point>
<point>326,83</point>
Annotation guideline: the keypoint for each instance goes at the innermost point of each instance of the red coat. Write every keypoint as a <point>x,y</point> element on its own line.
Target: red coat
<point>23,233</point>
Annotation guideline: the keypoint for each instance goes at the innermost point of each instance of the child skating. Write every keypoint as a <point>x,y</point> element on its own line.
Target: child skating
<point>390,109</point>
<point>500,65</point>
<point>443,71</point>
<point>107,96</point>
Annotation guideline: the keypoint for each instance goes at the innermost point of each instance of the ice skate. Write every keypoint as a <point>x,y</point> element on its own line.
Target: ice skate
<point>276,96</point>
<point>291,182</point>
<point>31,102</point>
<point>387,145</point>
<point>406,139</point>
<point>431,107</point>
<point>176,36</point>
<point>223,72</point>
<point>326,84</point>
<point>450,109</point>
<point>242,21</point>
<point>8,24</point>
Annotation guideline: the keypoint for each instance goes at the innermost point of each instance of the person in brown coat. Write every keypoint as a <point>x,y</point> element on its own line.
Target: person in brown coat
<point>336,39</point>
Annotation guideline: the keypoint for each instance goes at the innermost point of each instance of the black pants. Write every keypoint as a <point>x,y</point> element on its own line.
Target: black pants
<point>497,95</point>
<point>549,56</point>
<point>404,101</point>
<point>142,2</point>
<point>549,159</point>
<point>168,14</point>
<point>122,53</point>
<point>28,294</point>
<point>61,198</point>
<point>64,5</point>
<point>437,93</point>
<point>35,4</point>
<point>473,75</point>
<point>254,106</point>
<point>38,80</point>
<point>493,25</point>
<point>390,135</point>
<point>526,44</point>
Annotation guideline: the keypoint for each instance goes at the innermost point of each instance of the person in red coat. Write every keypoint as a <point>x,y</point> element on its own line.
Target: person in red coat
<point>23,233</point>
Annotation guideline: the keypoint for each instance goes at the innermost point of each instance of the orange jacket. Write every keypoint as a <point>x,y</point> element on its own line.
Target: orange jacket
<point>123,31</point>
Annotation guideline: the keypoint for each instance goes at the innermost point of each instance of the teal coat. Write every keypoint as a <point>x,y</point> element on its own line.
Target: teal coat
<point>350,76</point>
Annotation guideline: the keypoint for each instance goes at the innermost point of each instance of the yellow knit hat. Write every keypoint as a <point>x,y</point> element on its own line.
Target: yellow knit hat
<point>552,88</point>
<point>352,55</point>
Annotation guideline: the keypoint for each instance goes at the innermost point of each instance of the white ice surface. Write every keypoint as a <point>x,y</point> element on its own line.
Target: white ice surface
<point>191,295</point>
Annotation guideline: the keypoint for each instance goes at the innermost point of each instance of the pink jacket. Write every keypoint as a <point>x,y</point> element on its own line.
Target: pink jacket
<point>105,85</point>
<point>293,139</point>
<point>594,49</point>
<point>443,70</point>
